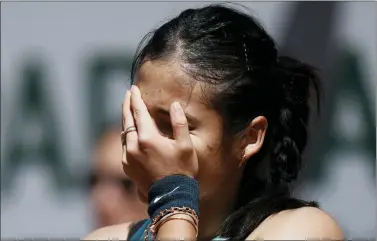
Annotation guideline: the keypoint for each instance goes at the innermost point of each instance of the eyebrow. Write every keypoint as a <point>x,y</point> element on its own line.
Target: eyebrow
<point>190,119</point>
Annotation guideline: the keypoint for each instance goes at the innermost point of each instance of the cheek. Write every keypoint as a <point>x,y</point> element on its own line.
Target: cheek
<point>208,150</point>
<point>218,165</point>
<point>206,146</point>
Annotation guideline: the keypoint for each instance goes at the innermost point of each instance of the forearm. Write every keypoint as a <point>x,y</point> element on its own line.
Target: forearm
<point>176,230</point>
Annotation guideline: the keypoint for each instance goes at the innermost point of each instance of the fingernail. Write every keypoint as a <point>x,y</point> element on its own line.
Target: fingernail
<point>133,88</point>
<point>177,107</point>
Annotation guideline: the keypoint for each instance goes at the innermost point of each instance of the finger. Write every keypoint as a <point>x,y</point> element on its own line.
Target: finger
<point>124,155</point>
<point>131,137</point>
<point>179,123</point>
<point>122,137</point>
<point>126,169</point>
<point>143,120</point>
<point>124,104</point>
<point>123,113</point>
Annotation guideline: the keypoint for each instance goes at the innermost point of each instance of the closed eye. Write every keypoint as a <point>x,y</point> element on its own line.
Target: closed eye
<point>161,118</point>
<point>165,129</point>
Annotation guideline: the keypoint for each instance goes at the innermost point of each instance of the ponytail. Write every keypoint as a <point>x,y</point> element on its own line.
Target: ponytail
<point>289,136</point>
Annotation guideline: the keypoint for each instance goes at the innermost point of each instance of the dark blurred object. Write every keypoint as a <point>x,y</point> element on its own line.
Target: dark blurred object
<point>101,67</point>
<point>35,137</point>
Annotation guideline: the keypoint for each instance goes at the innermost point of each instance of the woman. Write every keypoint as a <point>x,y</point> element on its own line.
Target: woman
<point>214,104</point>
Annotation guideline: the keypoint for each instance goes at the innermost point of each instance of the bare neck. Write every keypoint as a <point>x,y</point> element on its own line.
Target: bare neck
<point>213,213</point>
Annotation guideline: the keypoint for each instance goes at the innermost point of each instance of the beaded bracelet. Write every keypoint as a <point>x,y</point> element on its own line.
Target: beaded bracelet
<point>192,220</point>
<point>181,216</point>
<point>165,214</point>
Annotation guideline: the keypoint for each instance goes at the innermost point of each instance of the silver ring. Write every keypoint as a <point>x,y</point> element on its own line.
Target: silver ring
<point>128,130</point>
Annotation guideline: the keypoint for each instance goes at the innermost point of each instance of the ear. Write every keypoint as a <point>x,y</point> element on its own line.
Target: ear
<point>254,137</point>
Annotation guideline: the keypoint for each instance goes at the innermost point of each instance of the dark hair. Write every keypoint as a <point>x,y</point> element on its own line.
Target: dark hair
<point>237,59</point>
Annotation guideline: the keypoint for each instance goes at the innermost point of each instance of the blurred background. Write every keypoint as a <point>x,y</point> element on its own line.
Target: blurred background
<point>64,71</point>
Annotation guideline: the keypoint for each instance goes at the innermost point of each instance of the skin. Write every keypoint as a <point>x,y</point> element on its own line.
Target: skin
<point>165,145</point>
<point>112,204</point>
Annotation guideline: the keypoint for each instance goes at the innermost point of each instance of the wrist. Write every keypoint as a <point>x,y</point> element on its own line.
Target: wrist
<point>173,191</point>
<point>174,197</point>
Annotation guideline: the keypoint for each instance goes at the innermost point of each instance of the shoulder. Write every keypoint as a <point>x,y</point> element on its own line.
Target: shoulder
<point>117,232</point>
<point>299,224</point>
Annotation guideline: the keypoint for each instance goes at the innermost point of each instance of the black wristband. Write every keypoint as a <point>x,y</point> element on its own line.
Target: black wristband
<point>173,191</point>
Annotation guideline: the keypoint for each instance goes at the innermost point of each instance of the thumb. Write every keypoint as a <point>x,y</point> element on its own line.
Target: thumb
<point>179,123</point>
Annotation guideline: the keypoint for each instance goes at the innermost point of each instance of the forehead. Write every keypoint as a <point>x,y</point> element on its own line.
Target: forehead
<point>163,83</point>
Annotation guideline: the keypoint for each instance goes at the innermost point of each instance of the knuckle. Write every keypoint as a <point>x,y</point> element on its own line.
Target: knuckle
<point>132,151</point>
<point>137,113</point>
<point>185,148</point>
<point>181,124</point>
<point>145,141</point>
